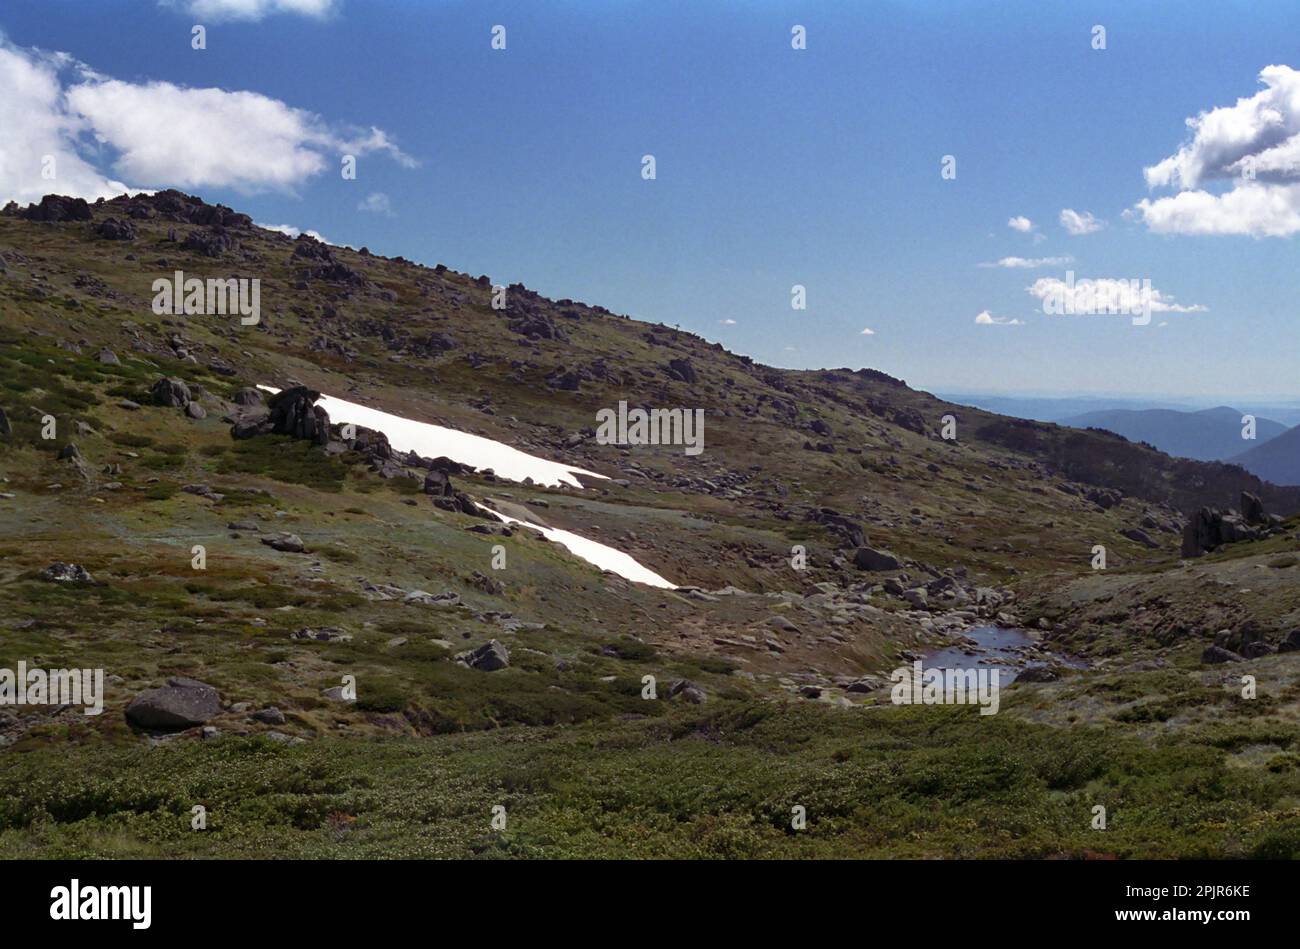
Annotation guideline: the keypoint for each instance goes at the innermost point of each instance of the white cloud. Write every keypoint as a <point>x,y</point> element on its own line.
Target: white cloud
<point>217,10</point>
<point>727,322</point>
<point>1264,128</point>
<point>1106,293</point>
<point>37,127</point>
<point>985,318</point>
<point>294,232</point>
<point>1077,223</point>
<point>154,134</point>
<point>377,203</point>
<point>1255,144</point>
<point>868,332</point>
<point>1029,263</point>
<point>1258,210</point>
<point>1021,223</point>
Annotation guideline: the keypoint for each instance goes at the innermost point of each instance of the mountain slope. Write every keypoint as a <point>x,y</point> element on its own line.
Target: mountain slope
<point>771,680</point>
<point>1207,435</point>
<point>1277,460</point>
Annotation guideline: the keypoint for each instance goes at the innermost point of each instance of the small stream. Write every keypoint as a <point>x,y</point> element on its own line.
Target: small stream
<point>1006,649</point>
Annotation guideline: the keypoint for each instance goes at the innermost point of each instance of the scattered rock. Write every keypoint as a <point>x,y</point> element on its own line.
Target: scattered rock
<point>488,657</point>
<point>325,634</point>
<point>170,392</point>
<point>66,573</point>
<point>282,540</point>
<point>1215,655</point>
<point>182,703</point>
<point>869,558</point>
<point>269,716</point>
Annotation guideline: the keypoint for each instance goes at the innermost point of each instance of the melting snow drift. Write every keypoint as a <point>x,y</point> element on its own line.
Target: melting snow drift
<point>606,558</point>
<point>433,441</point>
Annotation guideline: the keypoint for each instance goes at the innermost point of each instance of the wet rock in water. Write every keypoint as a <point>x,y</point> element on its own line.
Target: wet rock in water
<point>61,572</point>
<point>170,392</point>
<point>871,559</point>
<point>283,540</point>
<point>182,703</point>
<point>1215,655</point>
<point>489,657</point>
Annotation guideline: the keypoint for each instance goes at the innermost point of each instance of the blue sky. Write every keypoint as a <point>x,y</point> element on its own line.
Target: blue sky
<point>775,167</point>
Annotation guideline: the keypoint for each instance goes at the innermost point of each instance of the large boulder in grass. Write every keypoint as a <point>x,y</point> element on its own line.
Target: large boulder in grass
<point>294,412</point>
<point>170,392</point>
<point>489,657</point>
<point>869,558</point>
<point>1216,655</point>
<point>182,703</point>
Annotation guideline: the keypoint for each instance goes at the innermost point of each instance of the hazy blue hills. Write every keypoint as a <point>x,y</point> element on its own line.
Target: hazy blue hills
<point>1208,435</point>
<point>1277,460</point>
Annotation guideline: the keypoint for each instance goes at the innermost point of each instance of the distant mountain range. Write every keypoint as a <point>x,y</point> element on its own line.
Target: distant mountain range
<point>1208,435</point>
<point>1277,460</point>
<point>1062,409</point>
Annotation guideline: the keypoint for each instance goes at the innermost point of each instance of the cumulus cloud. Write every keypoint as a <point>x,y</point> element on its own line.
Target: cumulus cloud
<point>1104,295</point>
<point>727,322</point>
<point>41,138</point>
<point>868,331</point>
<point>1079,223</point>
<point>294,232</point>
<point>985,318</point>
<point>1255,144</point>
<point>1021,223</point>
<point>155,134</point>
<point>1029,263</point>
<point>217,10</point>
